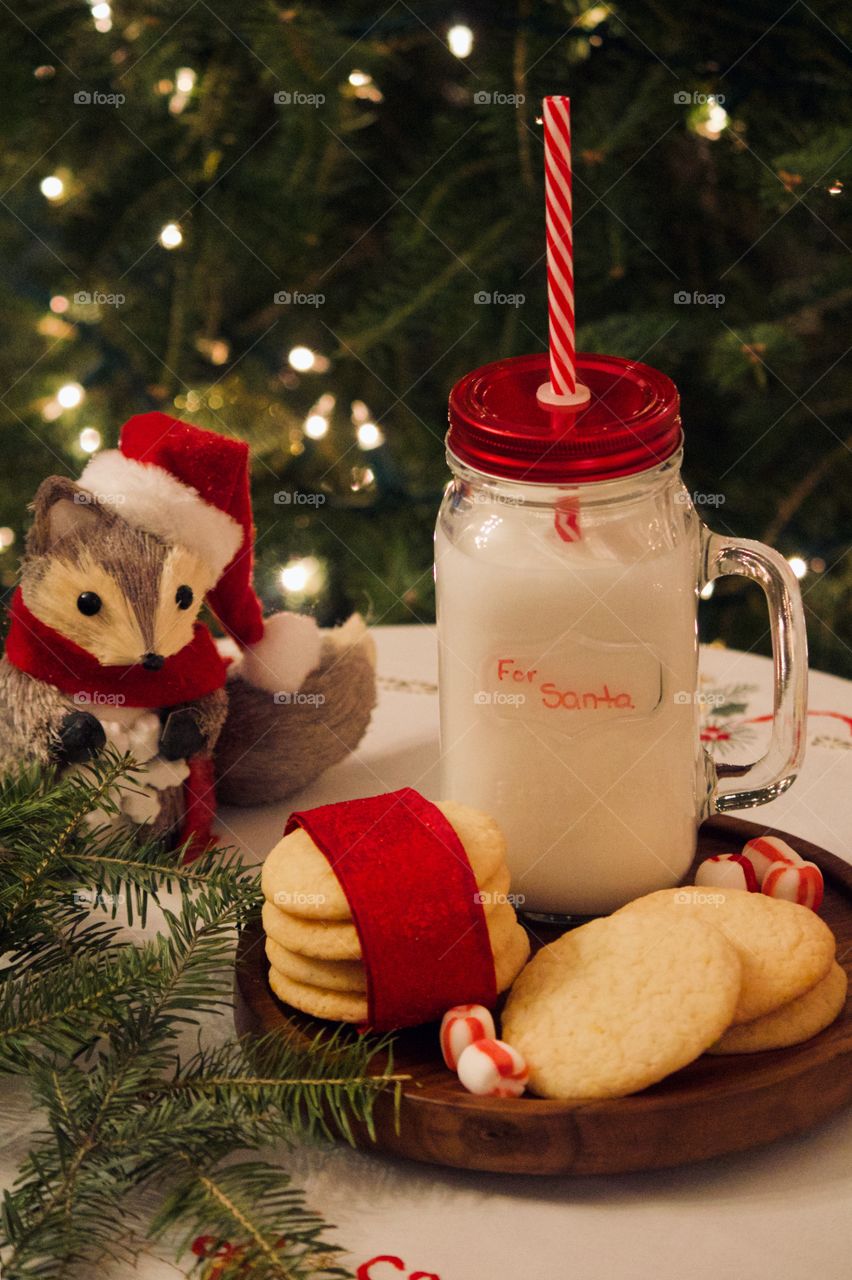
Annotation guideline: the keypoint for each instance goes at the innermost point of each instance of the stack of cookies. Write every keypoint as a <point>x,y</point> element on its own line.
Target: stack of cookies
<point>312,943</point>
<point>620,1003</point>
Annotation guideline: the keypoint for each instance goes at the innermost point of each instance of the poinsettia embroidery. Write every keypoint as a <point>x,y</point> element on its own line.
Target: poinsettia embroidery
<point>725,728</point>
<point>722,708</point>
<point>215,1254</point>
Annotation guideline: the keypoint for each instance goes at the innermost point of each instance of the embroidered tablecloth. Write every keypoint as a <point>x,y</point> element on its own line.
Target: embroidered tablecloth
<point>783,1211</point>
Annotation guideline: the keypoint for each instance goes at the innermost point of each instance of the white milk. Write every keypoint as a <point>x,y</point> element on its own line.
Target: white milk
<point>567,672</point>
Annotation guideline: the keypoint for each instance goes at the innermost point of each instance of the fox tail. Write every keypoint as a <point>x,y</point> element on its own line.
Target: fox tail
<point>272,745</point>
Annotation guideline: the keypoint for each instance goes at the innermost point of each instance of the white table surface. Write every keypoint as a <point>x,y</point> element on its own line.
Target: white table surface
<point>780,1213</point>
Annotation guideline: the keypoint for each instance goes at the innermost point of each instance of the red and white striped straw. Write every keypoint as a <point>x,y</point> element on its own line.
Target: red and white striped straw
<point>560,254</point>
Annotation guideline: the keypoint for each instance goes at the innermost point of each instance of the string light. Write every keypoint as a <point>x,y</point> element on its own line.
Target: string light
<point>70,395</point>
<point>359,411</point>
<point>171,236</point>
<point>365,87</point>
<point>302,577</point>
<point>185,81</point>
<point>710,119</point>
<point>52,326</point>
<point>220,350</point>
<point>51,411</point>
<point>102,14</point>
<point>836,188</point>
<point>325,404</point>
<point>369,436</point>
<point>302,359</point>
<point>460,40</point>
<point>89,440</point>
<point>52,187</point>
<point>7,537</point>
<point>798,565</point>
<point>593,17</point>
<point>59,304</point>
<point>316,426</point>
<point>217,350</point>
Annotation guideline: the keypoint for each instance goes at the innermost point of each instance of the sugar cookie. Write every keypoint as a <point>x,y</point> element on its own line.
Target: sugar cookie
<point>621,1002</point>
<point>297,876</point>
<point>349,1006</point>
<point>792,1023</point>
<point>784,948</point>
<point>331,975</point>
<point>338,939</point>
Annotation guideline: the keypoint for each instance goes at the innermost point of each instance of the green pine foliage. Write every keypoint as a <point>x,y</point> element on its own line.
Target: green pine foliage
<point>93,1023</point>
<point>398,200</point>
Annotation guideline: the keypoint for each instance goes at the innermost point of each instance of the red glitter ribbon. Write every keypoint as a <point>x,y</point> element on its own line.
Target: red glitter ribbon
<point>414,902</point>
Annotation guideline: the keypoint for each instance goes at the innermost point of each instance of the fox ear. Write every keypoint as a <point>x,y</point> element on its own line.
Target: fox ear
<point>62,510</point>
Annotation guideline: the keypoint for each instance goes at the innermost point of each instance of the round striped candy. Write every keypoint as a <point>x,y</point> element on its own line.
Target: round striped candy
<point>802,883</point>
<point>461,1026</point>
<point>493,1069</point>
<point>727,871</point>
<point>766,850</point>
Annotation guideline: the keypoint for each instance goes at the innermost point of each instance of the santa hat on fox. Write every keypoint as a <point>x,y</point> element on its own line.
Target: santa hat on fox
<point>190,487</point>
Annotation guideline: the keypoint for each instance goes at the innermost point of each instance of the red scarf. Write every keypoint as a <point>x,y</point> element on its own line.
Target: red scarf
<point>38,650</point>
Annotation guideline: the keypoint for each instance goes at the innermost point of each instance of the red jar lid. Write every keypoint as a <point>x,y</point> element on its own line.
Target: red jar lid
<point>497,426</point>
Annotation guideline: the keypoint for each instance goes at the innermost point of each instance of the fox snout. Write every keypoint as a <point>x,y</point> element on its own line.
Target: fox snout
<point>152,661</point>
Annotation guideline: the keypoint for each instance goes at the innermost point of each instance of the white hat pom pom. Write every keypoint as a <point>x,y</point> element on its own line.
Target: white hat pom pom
<point>285,656</point>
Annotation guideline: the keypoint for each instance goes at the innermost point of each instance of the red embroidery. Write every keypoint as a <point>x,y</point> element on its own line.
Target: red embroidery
<point>218,1252</point>
<point>834,715</point>
<point>365,1272</point>
<point>712,733</point>
<point>221,1253</point>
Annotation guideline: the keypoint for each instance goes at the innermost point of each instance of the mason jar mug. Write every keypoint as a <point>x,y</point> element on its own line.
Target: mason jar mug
<point>569,561</point>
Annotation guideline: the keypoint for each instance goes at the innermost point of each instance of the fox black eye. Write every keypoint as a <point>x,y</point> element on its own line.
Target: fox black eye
<point>183,597</point>
<point>89,603</point>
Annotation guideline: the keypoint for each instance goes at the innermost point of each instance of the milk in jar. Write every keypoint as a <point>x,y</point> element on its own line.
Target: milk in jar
<point>566,678</point>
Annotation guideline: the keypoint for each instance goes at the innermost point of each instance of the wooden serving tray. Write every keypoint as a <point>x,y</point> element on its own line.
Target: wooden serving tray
<point>713,1107</point>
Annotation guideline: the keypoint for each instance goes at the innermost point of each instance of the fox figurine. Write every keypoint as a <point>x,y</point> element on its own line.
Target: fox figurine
<point>105,643</point>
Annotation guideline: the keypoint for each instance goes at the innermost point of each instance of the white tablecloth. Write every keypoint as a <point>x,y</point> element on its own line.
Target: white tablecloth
<point>780,1213</point>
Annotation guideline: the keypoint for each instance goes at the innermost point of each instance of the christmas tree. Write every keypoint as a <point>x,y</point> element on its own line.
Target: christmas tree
<point>281,222</point>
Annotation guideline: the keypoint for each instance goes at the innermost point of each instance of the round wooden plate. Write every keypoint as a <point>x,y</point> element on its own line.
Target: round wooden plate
<point>713,1107</point>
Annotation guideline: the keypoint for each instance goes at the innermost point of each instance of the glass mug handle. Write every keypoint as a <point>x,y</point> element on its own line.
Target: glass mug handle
<point>742,786</point>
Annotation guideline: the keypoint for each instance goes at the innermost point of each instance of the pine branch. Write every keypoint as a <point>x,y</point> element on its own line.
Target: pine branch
<point>252,1201</point>
<point>66,1009</point>
<point>315,1088</point>
<point>95,1025</point>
